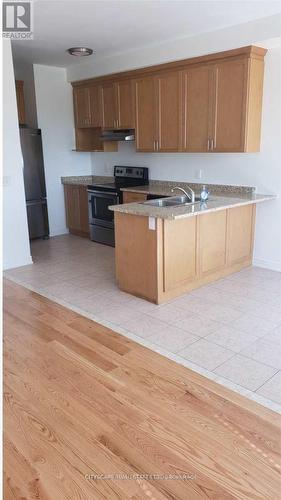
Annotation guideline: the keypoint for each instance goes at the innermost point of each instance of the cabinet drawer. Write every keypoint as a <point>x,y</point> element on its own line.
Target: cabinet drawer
<point>130,197</point>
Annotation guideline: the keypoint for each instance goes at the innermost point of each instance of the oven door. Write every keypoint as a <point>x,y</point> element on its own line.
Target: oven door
<point>99,201</point>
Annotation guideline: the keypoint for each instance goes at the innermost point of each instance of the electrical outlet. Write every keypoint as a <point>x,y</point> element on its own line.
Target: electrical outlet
<point>199,173</point>
<point>108,168</point>
<point>7,180</point>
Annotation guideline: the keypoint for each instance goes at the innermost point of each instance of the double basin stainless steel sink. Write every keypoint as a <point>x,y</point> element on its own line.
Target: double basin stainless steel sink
<point>171,201</point>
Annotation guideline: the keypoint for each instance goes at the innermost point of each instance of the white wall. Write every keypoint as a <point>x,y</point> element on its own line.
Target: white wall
<point>254,32</point>
<point>55,118</point>
<point>16,248</point>
<point>262,170</point>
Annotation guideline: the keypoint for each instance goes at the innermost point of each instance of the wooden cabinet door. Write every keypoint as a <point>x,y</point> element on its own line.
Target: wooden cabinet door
<point>211,242</point>
<point>230,106</point>
<point>76,208</point>
<point>20,101</point>
<point>168,112</point>
<point>124,104</point>
<point>180,258</point>
<point>197,108</point>
<point>72,207</point>
<point>95,106</point>
<point>82,111</point>
<point>108,105</point>
<point>130,197</point>
<point>145,96</point>
<point>240,228</point>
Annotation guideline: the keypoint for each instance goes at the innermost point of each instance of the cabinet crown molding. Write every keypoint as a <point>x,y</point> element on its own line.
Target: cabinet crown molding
<point>250,51</point>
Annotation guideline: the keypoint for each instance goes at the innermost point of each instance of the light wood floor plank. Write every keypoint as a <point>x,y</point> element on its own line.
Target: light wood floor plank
<point>81,399</point>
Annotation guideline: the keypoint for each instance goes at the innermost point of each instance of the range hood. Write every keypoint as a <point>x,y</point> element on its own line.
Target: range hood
<point>118,135</point>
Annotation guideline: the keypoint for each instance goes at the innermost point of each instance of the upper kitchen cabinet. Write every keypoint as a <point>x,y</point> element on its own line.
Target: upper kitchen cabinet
<point>87,106</point>
<point>238,88</point>
<point>20,101</point>
<point>196,108</point>
<point>125,115</point>
<point>108,106</point>
<point>145,114</point>
<point>222,105</point>
<point>208,104</point>
<point>229,100</point>
<point>117,105</point>
<point>95,106</point>
<point>88,119</point>
<point>82,111</point>
<point>158,112</point>
<point>168,112</point>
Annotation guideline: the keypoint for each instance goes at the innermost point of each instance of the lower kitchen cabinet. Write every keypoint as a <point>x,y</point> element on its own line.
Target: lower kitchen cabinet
<point>162,260</point>
<point>76,209</point>
<point>131,197</point>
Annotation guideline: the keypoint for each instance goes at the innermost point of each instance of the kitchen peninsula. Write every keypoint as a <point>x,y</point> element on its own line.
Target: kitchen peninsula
<point>164,251</point>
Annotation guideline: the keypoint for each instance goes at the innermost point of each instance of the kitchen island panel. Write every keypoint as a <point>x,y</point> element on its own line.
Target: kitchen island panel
<point>136,255</point>
<point>241,225</point>
<point>160,259</point>
<point>179,252</point>
<point>212,242</point>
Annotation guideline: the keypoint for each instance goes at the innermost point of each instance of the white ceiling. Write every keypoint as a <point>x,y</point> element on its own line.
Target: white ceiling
<point>111,27</point>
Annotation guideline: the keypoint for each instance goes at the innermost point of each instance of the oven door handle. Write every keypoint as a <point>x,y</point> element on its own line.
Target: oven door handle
<point>100,194</point>
<point>95,207</point>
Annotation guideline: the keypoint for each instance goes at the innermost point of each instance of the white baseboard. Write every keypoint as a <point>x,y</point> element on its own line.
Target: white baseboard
<point>17,263</point>
<point>57,231</point>
<point>268,264</point>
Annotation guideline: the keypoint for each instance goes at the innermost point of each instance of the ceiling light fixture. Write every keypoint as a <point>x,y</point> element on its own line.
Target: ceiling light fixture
<point>79,51</point>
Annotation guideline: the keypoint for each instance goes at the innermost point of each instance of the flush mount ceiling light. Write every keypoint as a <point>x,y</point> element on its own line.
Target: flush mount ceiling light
<point>80,51</point>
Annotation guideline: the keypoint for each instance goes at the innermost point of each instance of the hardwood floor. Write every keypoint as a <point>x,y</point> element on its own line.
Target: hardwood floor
<point>81,399</point>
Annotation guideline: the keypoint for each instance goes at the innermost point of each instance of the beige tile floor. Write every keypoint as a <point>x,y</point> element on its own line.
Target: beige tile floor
<point>230,330</point>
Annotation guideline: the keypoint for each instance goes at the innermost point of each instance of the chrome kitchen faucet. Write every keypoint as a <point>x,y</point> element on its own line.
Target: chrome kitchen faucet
<point>191,196</point>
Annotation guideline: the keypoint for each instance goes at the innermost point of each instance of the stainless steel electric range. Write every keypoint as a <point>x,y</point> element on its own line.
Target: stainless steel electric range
<point>101,196</point>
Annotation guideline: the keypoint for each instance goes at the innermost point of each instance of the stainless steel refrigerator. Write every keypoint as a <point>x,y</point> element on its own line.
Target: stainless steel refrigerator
<point>34,183</point>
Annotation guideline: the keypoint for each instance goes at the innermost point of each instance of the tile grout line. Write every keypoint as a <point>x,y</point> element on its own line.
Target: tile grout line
<point>279,370</point>
<point>202,371</point>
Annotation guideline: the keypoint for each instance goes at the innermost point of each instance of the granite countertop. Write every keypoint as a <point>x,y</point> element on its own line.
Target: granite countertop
<point>163,188</point>
<point>214,203</point>
<point>221,197</point>
<point>85,180</point>
<point>155,187</point>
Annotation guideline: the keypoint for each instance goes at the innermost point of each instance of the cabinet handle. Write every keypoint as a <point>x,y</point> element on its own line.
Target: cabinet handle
<point>208,144</point>
<point>157,145</point>
<point>212,144</point>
